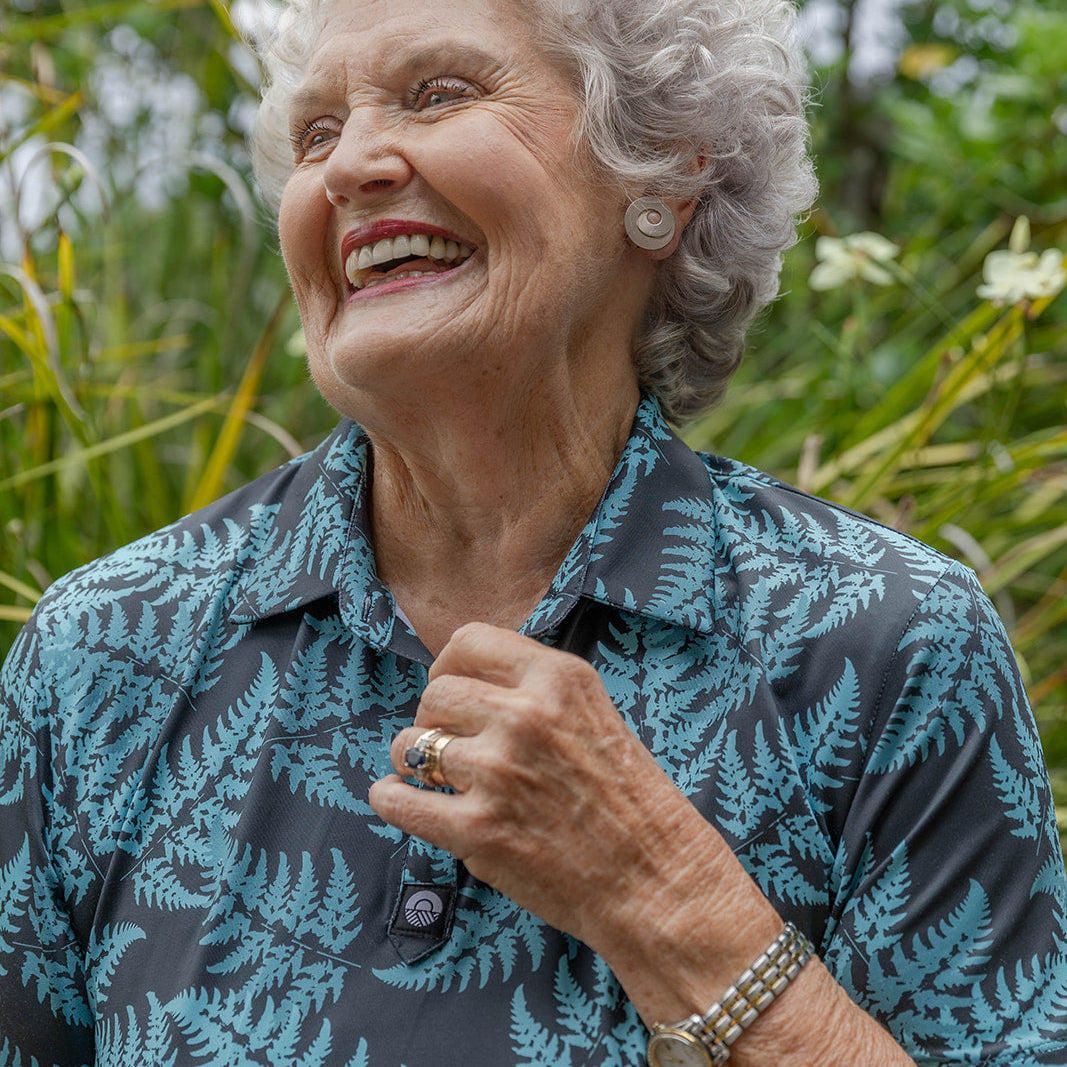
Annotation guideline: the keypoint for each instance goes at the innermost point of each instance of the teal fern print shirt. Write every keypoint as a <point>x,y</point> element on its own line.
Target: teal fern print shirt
<point>190,872</point>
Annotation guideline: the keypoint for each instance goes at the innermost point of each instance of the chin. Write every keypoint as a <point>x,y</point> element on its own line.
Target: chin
<point>350,377</point>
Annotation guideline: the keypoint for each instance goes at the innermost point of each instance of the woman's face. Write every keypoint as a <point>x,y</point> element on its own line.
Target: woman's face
<point>439,217</point>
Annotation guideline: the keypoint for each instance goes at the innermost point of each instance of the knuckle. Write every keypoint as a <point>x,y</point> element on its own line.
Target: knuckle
<point>576,674</point>
<point>492,767</point>
<point>468,635</point>
<point>442,691</point>
<point>524,720</point>
<point>524,706</point>
<point>576,683</point>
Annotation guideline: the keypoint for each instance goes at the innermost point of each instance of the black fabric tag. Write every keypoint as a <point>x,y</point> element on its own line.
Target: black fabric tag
<point>424,912</point>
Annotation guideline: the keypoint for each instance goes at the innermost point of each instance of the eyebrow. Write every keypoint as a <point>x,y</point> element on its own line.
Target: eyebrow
<point>446,49</point>
<point>404,63</point>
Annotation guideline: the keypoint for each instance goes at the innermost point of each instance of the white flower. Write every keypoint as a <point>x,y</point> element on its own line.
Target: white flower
<point>1017,274</point>
<point>860,255</point>
<point>1014,276</point>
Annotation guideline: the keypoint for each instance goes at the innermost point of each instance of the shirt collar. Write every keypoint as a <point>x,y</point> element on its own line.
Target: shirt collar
<point>649,547</point>
<point>316,532</point>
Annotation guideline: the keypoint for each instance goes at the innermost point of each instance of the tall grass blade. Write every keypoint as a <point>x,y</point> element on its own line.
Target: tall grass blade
<point>114,444</point>
<point>211,482</point>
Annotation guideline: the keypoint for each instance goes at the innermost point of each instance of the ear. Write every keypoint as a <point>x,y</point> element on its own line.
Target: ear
<point>683,211</point>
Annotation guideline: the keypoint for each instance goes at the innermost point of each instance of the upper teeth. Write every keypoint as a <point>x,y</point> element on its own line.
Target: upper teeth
<point>388,248</point>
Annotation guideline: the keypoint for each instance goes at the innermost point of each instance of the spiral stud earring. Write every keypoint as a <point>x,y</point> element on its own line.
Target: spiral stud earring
<point>650,223</point>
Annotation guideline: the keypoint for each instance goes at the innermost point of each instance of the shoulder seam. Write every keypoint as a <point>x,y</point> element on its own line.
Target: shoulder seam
<point>950,565</point>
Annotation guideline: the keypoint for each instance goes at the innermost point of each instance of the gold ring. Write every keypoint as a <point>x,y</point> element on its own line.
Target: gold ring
<point>424,757</point>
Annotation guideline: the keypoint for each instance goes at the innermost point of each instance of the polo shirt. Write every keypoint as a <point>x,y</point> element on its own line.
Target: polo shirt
<point>190,872</point>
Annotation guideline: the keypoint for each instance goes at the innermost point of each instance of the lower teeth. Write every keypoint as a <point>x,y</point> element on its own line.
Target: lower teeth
<point>397,277</point>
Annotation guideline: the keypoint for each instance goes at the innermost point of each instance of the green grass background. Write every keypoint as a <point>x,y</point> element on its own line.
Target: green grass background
<point>150,355</point>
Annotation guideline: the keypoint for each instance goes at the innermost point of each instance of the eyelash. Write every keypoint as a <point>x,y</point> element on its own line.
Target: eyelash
<point>444,85</point>
<point>300,137</point>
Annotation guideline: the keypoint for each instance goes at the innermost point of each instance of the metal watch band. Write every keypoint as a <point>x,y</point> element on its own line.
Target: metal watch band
<point>751,995</point>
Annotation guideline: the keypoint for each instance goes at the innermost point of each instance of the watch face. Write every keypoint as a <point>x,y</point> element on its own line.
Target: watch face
<point>676,1048</point>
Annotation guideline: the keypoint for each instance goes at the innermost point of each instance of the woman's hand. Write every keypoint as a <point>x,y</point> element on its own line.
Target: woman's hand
<point>557,804</point>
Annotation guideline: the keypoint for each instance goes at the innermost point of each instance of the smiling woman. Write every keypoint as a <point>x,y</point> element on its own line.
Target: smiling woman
<point>521,231</point>
<point>503,728</point>
<point>417,251</point>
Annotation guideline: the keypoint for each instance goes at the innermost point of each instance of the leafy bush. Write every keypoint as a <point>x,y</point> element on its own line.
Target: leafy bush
<point>149,352</point>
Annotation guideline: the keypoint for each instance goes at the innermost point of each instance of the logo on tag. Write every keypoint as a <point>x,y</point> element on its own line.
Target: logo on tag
<point>423,908</point>
<point>424,911</point>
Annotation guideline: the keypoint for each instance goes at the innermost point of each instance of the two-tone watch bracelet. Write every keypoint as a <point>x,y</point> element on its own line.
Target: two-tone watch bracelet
<point>739,1007</point>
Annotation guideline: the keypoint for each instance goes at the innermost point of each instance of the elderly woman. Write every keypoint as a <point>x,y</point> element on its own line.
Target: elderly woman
<point>504,729</point>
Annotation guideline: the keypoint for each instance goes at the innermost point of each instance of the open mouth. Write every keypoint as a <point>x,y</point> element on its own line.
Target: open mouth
<point>413,255</point>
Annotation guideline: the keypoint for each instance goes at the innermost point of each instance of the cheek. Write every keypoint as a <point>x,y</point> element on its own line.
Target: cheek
<point>302,220</point>
<point>498,176</point>
<point>529,198</point>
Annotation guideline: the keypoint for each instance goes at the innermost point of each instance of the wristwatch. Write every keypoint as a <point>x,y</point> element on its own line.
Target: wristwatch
<point>705,1040</point>
<point>677,1046</point>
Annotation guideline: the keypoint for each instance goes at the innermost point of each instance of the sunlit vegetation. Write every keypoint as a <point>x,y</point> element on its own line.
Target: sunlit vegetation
<point>150,356</point>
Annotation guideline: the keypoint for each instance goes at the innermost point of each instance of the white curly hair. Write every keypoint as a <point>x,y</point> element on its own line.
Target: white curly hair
<point>662,84</point>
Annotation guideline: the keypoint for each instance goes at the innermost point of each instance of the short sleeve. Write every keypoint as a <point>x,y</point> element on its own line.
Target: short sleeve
<point>45,1017</point>
<point>949,919</point>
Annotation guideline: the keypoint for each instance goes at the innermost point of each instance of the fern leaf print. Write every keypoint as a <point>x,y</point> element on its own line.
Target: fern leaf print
<point>190,872</point>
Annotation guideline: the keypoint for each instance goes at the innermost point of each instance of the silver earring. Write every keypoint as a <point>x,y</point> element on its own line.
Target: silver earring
<point>650,223</point>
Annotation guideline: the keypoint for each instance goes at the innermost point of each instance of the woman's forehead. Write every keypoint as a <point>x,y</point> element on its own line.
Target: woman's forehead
<point>412,19</point>
<point>384,39</point>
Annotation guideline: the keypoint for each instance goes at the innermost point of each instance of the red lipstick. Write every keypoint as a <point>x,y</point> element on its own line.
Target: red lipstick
<point>377,231</point>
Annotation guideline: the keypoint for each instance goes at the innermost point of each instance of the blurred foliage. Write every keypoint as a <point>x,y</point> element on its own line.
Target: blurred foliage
<point>916,401</point>
<point>144,311</point>
<point>150,357</point>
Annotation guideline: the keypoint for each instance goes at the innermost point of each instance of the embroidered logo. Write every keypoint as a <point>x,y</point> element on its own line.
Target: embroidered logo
<point>422,917</point>
<point>423,908</point>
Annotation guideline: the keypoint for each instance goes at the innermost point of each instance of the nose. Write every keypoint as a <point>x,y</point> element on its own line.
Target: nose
<point>366,162</point>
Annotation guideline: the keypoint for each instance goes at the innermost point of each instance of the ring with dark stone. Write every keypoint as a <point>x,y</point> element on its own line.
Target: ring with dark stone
<point>424,757</point>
